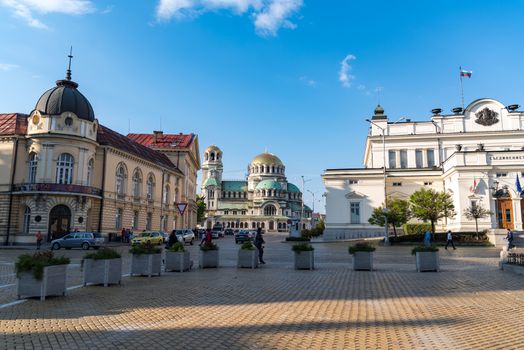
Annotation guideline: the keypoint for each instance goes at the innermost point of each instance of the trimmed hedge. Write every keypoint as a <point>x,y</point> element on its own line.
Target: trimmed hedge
<point>423,249</point>
<point>415,229</point>
<point>302,247</point>
<point>441,237</point>
<point>361,247</point>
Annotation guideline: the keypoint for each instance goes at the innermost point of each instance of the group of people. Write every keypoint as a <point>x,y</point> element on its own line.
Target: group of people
<point>126,235</point>
<point>428,237</point>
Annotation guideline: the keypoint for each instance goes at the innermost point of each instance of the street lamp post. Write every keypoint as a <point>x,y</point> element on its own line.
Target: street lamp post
<point>313,194</point>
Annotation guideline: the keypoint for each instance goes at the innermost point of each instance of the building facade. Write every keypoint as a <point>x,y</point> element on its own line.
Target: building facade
<point>264,199</point>
<point>475,154</point>
<point>63,171</point>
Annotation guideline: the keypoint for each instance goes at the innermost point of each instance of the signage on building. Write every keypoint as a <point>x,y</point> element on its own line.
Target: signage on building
<point>181,207</point>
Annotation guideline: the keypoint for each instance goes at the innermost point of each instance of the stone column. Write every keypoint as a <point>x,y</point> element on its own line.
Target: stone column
<point>517,213</point>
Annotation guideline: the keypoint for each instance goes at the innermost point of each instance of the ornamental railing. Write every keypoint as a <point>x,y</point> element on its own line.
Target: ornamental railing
<point>516,258</point>
<point>49,187</point>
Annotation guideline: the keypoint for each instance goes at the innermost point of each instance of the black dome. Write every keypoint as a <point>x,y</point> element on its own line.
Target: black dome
<point>65,98</point>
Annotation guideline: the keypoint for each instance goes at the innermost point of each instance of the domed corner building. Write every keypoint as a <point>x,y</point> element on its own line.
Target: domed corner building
<point>264,199</point>
<point>63,172</point>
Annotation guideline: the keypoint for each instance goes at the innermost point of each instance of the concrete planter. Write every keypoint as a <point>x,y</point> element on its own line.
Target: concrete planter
<point>53,282</point>
<point>248,258</point>
<point>304,260</point>
<point>102,271</point>
<point>178,261</point>
<point>146,264</point>
<point>363,261</point>
<point>208,258</point>
<point>427,261</point>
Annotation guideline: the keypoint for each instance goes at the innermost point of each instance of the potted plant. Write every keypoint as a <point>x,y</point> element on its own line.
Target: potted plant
<point>427,258</point>
<point>102,267</point>
<point>208,256</point>
<point>40,275</point>
<point>304,257</point>
<point>362,256</point>
<point>146,260</point>
<point>178,258</point>
<point>248,255</point>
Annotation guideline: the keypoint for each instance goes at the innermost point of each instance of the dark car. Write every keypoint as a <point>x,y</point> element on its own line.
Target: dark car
<point>243,236</point>
<point>229,232</point>
<point>84,240</point>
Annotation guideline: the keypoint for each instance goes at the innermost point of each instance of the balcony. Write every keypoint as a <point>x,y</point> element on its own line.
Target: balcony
<point>58,188</point>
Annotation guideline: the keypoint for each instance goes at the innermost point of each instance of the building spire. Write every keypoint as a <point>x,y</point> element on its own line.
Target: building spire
<point>68,75</point>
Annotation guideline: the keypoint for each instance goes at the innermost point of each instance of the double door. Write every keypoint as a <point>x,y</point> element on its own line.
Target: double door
<point>505,214</point>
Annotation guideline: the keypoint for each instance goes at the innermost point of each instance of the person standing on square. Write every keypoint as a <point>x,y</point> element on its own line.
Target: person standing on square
<point>449,240</point>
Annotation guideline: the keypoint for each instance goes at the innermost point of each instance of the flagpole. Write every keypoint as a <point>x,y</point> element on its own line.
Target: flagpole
<point>461,87</point>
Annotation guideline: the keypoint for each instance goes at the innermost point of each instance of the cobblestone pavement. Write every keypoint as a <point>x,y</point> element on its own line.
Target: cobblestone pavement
<point>470,304</point>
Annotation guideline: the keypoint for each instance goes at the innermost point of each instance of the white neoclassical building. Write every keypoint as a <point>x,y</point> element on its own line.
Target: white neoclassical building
<point>475,154</point>
<point>264,199</point>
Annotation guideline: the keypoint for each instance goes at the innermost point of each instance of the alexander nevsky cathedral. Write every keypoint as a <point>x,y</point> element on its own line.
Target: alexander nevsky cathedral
<point>265,199</point>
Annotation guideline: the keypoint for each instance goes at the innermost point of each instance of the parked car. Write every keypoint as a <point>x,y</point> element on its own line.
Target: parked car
<point>243,236</point>
<point>84,240</point>
<point>165,236</point>
<point>185,236</point>
<point>229,232</point>
<point>153,237</point>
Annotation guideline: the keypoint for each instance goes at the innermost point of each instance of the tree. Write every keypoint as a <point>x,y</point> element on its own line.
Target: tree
<point>475,212</point>
<point>398,214</point>
<point>201,208</point>
<point>431,205</point>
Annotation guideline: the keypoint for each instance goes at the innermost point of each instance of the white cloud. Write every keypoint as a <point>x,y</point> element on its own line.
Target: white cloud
<point>308,81</point>
<point>343,74</point>
<point>25,9</point>
<point>6,67</point>
<point>268,15</point>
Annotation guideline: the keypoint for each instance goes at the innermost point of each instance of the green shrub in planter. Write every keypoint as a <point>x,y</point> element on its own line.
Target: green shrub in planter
<point>178,247</point>
<point>102,267</point>
<point>302,247</point>
<point>422,249</point>
<point>36,262</point>
<point>102,254</point>
<point>247,245</point>
<point>361,247</point>
<point>297,239</point>
<point>147,248</point>
<point>208,246</point>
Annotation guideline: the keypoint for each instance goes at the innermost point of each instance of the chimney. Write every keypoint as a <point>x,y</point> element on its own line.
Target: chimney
<point>156,135</point>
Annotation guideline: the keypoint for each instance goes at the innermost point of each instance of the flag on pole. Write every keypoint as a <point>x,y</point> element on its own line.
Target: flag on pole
<point>517,184</point>
<point>473,188</point>
<point>465,73</point>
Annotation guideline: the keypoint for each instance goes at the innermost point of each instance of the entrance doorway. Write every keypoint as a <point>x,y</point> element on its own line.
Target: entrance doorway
<point>505,214</point>
<point>59,222</point>
<point>271,226</point>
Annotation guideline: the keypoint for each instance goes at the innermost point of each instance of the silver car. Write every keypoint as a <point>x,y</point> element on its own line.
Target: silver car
<point>185,236</point>
<point>84,240</point>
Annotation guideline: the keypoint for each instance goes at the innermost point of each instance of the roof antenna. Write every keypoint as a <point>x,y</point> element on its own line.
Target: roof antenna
<point>68,75</point>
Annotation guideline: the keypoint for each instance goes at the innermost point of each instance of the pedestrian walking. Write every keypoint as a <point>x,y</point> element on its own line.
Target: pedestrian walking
<point>123,235</point>
<point>39,239</point>
<point>449,240</point>
<point>427,238</point>
<point>207,238</point>
<point>259,241</point>
<point>509,238</point>
<point>172,239</point>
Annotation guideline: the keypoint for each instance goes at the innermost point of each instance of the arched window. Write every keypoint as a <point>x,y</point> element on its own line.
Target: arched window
<point>32,167</point>
<point>90,168</point>
<point>118,218</point>
<point>263,193</point>
<point>270,210</point>
<point>64,169</point>
<point>27,220</point>
<point>120,180</point>
<point>212,156</point>
<point>137,183</point>
<point>150,187</point>
<point>165,200</point>
<point>272,169</point>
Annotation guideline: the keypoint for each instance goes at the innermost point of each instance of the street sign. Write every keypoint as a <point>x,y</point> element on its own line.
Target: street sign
<point>181,207</point>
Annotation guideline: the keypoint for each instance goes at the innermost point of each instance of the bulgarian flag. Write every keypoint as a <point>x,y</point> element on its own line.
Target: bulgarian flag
<point>473,188</point>
<point>465,73</point>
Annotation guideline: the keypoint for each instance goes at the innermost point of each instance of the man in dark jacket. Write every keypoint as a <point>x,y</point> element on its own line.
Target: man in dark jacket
<point>172,239</point>
<point>258,243</point>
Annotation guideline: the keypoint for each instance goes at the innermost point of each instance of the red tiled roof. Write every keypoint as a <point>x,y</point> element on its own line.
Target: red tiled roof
<point>13,124</point>
<point>174,141</point>
<point>111,138</point>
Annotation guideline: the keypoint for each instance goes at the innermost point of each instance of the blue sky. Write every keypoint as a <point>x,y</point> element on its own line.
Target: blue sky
<point>296,77</point>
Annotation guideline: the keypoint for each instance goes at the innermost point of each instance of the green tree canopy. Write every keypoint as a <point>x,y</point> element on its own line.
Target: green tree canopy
<point>398,214</point>
<point>475,212</point>
<point>430,205</point>
<point>201,208</point>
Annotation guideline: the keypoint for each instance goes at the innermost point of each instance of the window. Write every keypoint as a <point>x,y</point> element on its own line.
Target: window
<point>165,200</point>
<point>392,159</point>
<point>418,158</point>
<point>150,187</point>
<point>355,212</point>
<point>68,121</point>
<point>135,220</point>
<point>33,164</point>
<point>428,183</point>
<point>27,220</point>
<point>352,182</point>
<point>397,184</point>
<point>226,212</point>
<point>234,212</point>
<point>118,219</point>
<point>164,223</point>
<point>120,180</point>
<point>270,210</point>
<point>137,182</point>
<point>502,174</point>
<point>90,166</point>
<point>431,158</point>
<point>149,220</point>
<point>64,169</point>
<point>403,158</point>
<point>473,204</point>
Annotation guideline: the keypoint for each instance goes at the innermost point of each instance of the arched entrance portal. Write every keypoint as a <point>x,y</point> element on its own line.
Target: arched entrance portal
<point>59,222</point>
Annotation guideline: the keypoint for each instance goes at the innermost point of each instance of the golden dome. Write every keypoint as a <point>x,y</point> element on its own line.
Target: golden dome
<point>267,159</point>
